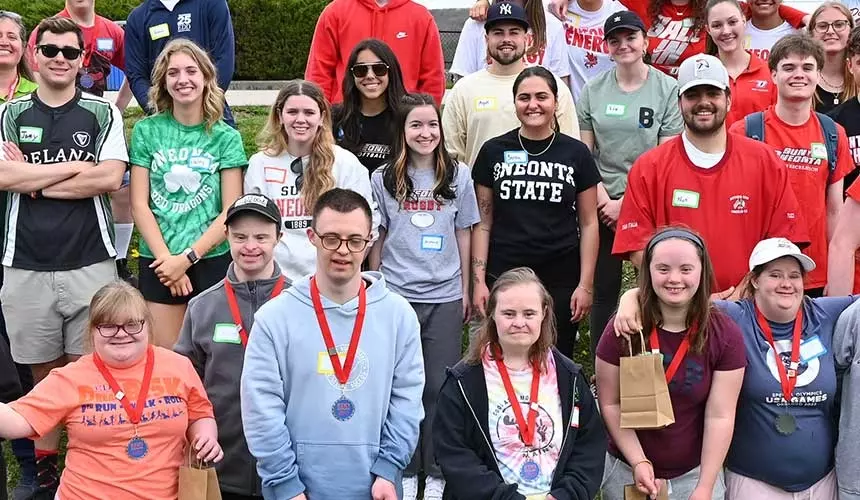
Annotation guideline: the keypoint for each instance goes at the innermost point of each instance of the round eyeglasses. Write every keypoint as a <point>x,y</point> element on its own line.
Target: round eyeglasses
<point>131,327</point>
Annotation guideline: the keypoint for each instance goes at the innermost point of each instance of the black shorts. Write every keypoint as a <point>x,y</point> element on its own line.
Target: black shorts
<point>204,274</point>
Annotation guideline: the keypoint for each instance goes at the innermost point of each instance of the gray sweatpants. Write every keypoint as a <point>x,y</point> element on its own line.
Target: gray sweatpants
<point>441,331</point>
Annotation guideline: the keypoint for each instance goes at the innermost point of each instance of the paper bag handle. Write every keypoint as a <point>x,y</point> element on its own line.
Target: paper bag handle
<point>630,344</point>
<point>191,459</point>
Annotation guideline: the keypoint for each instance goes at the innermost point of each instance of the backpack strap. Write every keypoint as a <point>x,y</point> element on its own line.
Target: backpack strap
<point>754,126</point>
<point>831,140</point>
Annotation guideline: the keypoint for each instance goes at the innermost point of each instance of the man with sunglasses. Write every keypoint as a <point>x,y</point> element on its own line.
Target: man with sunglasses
<point>64,152</point>
<point>215,331</point>
<point>333,379</point>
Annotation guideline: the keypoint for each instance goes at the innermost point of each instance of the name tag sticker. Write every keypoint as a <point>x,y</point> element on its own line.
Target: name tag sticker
<point>574,418</point>
<point>31,135</point>
<point>422,219</point>
<point>159,31</point>
<point>819,151</point>
<point>615,109</point>
<point>684,198</point>
<point>105,44</point>
<point>432,242</point>
<point>811,348</point>
<point>516,157</point>
<point>324,363</point>
<point>485,103</point>
<point>226,333</point>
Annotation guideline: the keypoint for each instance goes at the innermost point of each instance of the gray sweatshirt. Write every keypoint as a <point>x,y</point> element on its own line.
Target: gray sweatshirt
<point>208,338</point>
<point>846,350</point>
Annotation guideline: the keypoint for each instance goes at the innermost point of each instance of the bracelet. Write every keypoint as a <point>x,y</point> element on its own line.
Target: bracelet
<point>646,461</point>
<point>588,291</point>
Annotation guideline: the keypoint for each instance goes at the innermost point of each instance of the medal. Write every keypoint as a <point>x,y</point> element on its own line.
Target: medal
<point>526,428</point>
<point>234,305</point>
<point>785,424</point>
<point>679,354</point>
<point>787,378</point>
<point>530,470</point>
<point>137,447</point>
<point>87,81</point>
<point>342,409</point>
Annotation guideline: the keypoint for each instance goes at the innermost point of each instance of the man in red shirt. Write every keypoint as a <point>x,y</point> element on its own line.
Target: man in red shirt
<point>731,190</point>
<point>794,131</point>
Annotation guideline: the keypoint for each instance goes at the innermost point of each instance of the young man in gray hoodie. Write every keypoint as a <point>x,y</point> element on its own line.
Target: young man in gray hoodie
<point>331,393</point>
<point>215,332</point>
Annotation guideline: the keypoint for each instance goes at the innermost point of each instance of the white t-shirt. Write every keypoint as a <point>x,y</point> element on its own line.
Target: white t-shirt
<point>587,53</point>
<point>700,158</point>
<point>471,54</point>
<point>758,42</point>
<point>170,4</point>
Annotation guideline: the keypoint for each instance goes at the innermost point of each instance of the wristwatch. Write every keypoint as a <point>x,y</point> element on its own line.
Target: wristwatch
<point>192,255</point>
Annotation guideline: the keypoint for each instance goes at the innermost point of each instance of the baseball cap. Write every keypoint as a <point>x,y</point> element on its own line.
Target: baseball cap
<point>702,69</point>
<point>624,19</point>
<point>505,11</point>
<point>258,204</point>
<point>773,248</point>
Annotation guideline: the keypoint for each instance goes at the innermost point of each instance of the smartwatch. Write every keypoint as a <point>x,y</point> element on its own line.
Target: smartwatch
<point>192,255</point>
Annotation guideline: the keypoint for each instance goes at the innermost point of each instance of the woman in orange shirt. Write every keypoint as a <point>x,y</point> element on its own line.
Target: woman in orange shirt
<point>129,408</point>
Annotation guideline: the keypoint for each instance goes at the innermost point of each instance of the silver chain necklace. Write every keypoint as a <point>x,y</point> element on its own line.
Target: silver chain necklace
<point>552,139</point>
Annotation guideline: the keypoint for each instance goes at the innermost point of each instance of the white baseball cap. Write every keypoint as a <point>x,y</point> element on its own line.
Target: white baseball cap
<point>773,248</point>
<point>702,69</point>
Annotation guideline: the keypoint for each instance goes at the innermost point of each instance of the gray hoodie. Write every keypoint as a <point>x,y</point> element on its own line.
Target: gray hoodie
<point>846,350</point>
<point>219,362</point>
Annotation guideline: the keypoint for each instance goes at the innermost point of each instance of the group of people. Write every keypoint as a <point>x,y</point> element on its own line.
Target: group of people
<point>298,316</point>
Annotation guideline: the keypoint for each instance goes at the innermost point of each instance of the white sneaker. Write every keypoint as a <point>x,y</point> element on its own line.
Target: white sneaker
<point>410,488</point>
<point>433,488</point>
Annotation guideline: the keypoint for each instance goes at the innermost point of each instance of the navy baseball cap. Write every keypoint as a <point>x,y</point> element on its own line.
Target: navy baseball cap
<point>625,19</point>
<point>505,11</point>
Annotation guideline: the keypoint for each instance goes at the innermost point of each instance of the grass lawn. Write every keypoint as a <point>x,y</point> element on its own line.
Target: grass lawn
<point>250,121</point>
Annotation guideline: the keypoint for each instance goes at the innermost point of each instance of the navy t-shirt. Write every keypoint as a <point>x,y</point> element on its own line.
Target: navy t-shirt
<point>797,461</point>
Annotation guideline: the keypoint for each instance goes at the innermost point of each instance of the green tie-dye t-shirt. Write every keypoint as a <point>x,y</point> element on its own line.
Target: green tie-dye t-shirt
<point>184,166</point>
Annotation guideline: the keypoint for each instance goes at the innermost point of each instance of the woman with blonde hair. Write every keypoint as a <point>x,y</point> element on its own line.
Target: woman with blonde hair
<point>130,409</point>
<point>298,161</point>
<point>830,24</point>
<point>516,419</point>
<point>186,171</point>
<point>16,79</point>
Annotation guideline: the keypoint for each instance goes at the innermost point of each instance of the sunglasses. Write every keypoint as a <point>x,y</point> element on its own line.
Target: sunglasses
<point>297,168</point>
<point>360,70</point>
<point>51,51</point>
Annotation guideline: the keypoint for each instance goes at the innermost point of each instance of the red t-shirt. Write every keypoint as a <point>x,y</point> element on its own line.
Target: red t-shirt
<point>104,45</point>
<point>752,91</point>
<point>677,448</point>
<point>738,202</point>
<point>802,149</point>
<point>854,193</point>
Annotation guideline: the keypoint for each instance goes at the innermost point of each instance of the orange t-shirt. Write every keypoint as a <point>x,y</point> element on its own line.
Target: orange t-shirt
<point>802,149</point>
<point>752,91</point>
<point>97,466</point>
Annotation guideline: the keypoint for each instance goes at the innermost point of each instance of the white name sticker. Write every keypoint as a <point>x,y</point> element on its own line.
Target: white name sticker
<point>684,198</point>
<point>159,31</point>
<point>105,44</point>
<point>226,333</point>
<point>516,157</point>
<point>431,242</point>
<point>615,109</point>
<point>485,103</point>
<point>811,348</point>
<point>819,151</point>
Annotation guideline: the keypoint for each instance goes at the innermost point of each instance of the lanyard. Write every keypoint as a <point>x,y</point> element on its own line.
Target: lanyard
<point>234,305</point>
<point>90,45</point>
<point>787,379</point>
<point>13,88</point>
<point>680,354</point>
<point>133,413</point>
<point>527,429</point>
<point>341,372</point>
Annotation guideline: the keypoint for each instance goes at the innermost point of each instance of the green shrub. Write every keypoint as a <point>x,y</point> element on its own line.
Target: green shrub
<point>272,36</point>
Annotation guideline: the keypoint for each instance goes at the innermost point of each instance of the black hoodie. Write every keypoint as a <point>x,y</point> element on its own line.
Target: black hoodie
<point>465,454</point>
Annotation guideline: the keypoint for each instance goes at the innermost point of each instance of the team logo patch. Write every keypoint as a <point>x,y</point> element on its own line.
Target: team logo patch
<point>30,135</point>
<point>505,9</point>
<point>739,204</point>
<point>82,139</point>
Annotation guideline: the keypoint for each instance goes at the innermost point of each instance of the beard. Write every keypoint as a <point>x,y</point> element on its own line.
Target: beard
<point>719,118</point>
<point>505,58</point>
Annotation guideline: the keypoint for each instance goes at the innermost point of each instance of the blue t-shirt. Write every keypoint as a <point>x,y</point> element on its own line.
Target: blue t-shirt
<point>797,461</point>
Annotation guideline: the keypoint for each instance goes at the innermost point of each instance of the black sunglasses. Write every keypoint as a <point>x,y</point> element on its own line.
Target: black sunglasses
<point>298,169</point>
<point>51,51</point>
<point>360,70</point>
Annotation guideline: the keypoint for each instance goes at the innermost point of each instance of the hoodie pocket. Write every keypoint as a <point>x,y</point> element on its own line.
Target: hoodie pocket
<point>336,470</point>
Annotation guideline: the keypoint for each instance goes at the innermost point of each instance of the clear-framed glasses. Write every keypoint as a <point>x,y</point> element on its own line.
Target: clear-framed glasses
<point>333,242</point>
<point>133,327</point>
<point>838,26</point>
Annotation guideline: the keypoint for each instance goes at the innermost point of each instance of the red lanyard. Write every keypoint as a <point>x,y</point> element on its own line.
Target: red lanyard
<point>133,413</point>
<point>527,430</point>
<point>680,354</point>
<point>234,305</point>
<point>341,372</point>
<point>788,379</point>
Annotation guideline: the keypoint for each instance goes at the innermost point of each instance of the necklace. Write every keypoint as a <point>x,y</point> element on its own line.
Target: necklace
<point>837,87</point>
<point>552,139</point>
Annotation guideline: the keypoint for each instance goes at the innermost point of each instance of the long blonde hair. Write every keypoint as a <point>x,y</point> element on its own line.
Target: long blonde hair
<point>318,177</point>
<point>849,88</point>
<point>213,96</point>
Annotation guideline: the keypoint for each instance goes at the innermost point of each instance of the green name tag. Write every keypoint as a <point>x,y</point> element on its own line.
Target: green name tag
<point>819,151</point>
<point>615,109</point>
<point>684,198</point>
<point>226,333</point>
<point>31,135</point>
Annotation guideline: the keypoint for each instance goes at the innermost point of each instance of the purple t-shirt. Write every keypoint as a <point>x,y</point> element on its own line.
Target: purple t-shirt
<point>677,448</point>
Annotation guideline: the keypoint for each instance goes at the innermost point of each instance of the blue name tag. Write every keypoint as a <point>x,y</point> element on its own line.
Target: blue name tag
<point>431,242</point>
<point>811,348</point>
<point>514,157</point>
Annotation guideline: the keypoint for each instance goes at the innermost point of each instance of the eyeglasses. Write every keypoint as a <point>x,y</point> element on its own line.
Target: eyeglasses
<point>838,26</point>
<point>51,51</point>
<point>298,168</point>
<point>360,70</point>
<point>131,328</point>
<point>333,242</point>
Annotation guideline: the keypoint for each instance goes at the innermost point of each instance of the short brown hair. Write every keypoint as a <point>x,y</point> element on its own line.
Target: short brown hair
<point>488,335</point>
<point>853,47</point>
<point>117,301</point>
<point>797,44</point>
<point>58,26</point>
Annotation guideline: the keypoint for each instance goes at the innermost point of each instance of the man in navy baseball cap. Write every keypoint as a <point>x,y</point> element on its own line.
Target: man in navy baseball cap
<point>506,12</point>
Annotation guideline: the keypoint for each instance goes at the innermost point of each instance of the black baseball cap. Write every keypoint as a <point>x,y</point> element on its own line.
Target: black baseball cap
<point>624,19</point>
<point>257,203</point>
<point>506,11</point>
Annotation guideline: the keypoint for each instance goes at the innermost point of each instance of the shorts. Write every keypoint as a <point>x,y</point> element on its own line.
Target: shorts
<point>203,275</point>
<point>617,474</point>
<point>47,311</point>
<point>742,487</point>
<point>126,179</point>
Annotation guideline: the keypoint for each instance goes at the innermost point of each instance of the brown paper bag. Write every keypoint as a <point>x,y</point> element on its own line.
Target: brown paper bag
<point>645,402</point>
<point>631,493</point>
<point>196,480</point>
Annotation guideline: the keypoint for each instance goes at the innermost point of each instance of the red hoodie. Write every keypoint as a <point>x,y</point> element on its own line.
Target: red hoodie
<point>407,27</point>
